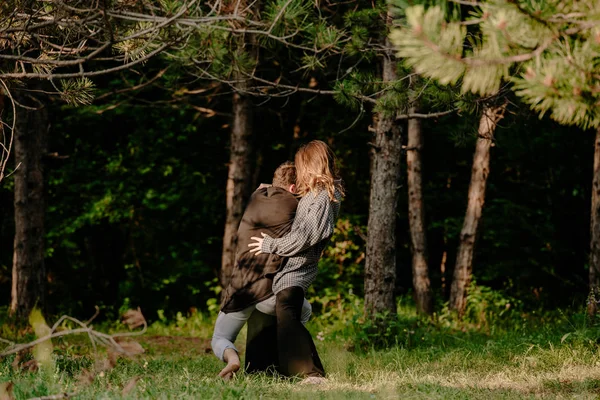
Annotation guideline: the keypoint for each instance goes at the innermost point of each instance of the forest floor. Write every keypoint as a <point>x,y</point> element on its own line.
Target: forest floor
<point>549,358</point>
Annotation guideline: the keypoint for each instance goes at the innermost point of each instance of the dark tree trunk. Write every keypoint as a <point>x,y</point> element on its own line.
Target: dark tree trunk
<point>240,171</point>
<point>6,141</point>
<point>594,276</point>
<point>380,268</point>
<point>416,217</point>
<point>239,179</point>
<point>479,173</point>
<point>29,273</point>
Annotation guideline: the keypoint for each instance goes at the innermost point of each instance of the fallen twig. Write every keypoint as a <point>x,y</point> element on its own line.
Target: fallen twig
<point>134,318</point>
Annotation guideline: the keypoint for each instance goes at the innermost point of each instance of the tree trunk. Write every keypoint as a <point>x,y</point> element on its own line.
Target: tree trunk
<point>239,178</point>
<point>594,276</point>
<point>416,217</point>
<point>6,141</point>
<point>479,173</point>
<point>29,273</point>
<point>240,170</point>
<point>380,268</point>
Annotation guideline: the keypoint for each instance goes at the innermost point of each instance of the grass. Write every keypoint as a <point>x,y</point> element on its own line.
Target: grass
<point>524,356</point>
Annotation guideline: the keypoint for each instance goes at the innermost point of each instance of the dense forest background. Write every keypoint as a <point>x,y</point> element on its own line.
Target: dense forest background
<point>136,204</point>
<point>135,181</point>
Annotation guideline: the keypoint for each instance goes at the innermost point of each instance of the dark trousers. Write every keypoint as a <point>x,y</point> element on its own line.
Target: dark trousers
<point>297,352</point>
<point>261,344</point>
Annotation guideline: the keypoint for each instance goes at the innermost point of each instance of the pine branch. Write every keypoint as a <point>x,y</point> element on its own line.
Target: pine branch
<point>75,30</point>
<point>561,75</point>
<point>425,116</point>
<point>278,17</point>
<point>298,88</point>
<point>480,62</point>
<point>366,99</point>
<point>7,148</point>
<point>81,73</point>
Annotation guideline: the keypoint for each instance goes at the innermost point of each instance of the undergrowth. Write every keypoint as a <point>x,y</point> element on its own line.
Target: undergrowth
<point>498,350</point>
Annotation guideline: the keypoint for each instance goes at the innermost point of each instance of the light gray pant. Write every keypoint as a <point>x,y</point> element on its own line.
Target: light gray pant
<point>229,325</point>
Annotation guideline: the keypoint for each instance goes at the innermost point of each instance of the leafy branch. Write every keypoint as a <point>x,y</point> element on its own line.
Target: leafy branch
<point>548,52</point>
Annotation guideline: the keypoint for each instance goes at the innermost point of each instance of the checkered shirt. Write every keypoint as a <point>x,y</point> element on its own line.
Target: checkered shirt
<point>310,234</point>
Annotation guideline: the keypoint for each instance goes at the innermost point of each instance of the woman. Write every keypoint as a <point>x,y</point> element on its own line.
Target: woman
<point>321,190</point>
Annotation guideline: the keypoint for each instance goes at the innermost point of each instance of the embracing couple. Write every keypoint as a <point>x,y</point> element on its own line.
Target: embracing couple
<point>283,232</point>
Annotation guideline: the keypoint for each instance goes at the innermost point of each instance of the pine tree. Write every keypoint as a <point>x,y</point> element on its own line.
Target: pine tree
<point>52,47</point>
<point>235,44</point>
<point>349,58</point>
<point>395,100</point>
<point>416,208</point>
<point>547,51</point>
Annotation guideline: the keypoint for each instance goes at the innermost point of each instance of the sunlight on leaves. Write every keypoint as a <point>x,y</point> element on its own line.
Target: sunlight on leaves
<point>42,352</point>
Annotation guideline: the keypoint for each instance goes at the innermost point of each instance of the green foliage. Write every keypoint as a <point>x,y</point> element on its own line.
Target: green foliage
<point>195,324</point>
<point>548,50</point>
<point>77,91</point>
<point>284,17</point>
<point>347,93</point>
<point>486,309</point>
<point>488,312</point>
<point>135,212</point>
<point>546,355</point>
<point>324,35</point>
<point>520,354</point>
<point>431,46</point>
<point>562,88</point>
<point>221,47</point>
<point>67,31</point>
<point>311,62</point>
<point>392,101</point>
<point>105,215</point>
<point>341,269</point>
<point>363,24</point>
<point>358,44</point>
<point>367,17</point>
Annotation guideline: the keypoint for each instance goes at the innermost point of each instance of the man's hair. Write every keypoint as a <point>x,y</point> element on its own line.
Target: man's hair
<point>285,175</point>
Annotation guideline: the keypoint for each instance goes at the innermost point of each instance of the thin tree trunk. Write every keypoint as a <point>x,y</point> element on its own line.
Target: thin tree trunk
<point>240,171</point>
<point>479,173</point>
<point>29,273</point>
<point>6,141</point>
<point>380,268</point>
<point>594,277</point>
<point>416,217</point>
<point>239,178</point>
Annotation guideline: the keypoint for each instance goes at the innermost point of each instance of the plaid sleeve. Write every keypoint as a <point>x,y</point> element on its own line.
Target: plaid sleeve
<point>314,225</point>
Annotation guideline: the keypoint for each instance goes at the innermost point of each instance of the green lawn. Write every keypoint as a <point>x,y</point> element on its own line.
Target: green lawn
<point>540,357</point>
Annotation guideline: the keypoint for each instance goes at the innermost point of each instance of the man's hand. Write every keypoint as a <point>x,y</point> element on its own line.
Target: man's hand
<point>264,185</point>
<point>258,244</point>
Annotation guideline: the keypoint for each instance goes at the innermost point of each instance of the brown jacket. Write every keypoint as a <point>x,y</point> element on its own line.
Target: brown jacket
<point>270,210</point>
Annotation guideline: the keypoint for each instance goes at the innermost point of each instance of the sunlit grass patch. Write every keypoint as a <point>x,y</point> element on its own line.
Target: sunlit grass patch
<point>557,357</point>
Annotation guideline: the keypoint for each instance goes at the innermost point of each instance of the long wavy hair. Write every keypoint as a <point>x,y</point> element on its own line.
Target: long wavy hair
<point>316,170</point>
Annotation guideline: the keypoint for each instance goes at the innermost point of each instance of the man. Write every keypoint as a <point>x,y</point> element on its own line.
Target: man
<point>270,209</point>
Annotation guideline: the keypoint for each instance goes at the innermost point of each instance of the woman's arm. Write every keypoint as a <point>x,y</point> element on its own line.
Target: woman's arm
<point>314,226</point>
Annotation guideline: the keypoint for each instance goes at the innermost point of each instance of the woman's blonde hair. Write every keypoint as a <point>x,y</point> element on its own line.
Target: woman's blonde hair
<point>316,170</point>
